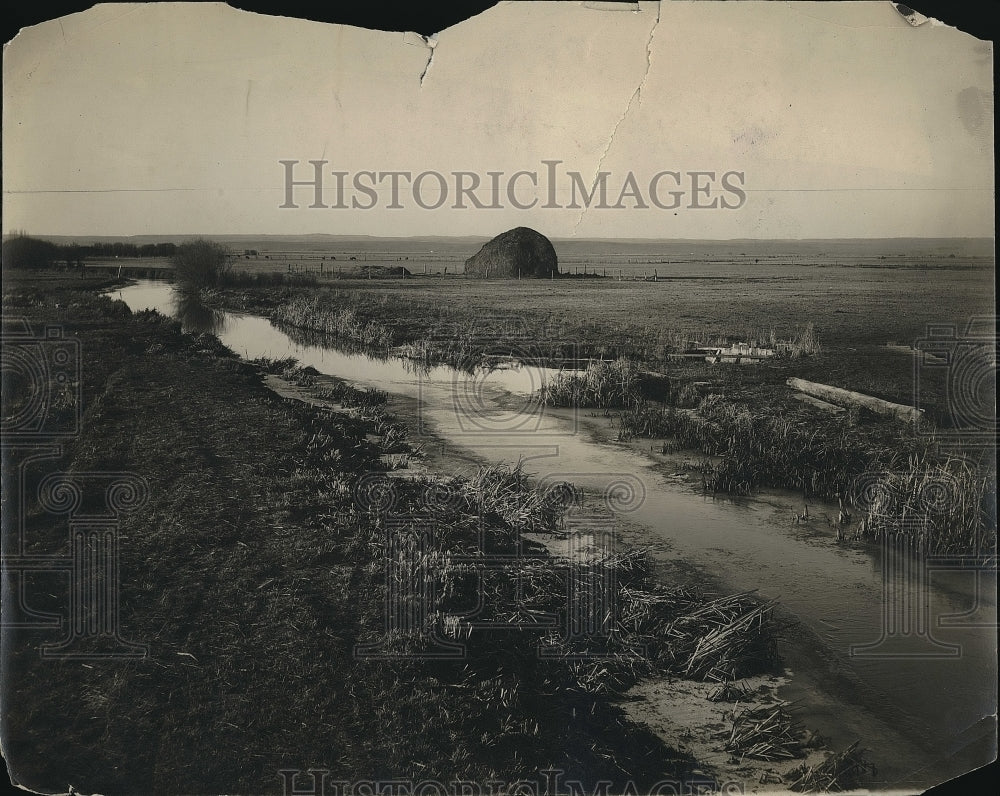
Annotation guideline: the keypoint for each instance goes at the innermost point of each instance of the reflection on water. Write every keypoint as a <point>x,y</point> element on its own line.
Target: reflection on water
<point>311,339</point>
<point>195,316</point>
<point>252,337</point>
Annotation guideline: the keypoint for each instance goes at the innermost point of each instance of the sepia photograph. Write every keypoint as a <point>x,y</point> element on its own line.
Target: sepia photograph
<point>554,398</point>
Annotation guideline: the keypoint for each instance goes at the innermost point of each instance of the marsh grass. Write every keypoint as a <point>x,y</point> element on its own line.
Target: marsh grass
<point>805,343</point>
<point>437,332</point>
<point>603,384</point>
<point>445,527</point>
<point>651,629</point>
<point>315,314</point>
<point>940,506</point>
<point>367,405</point>
<point>254,500</point>
<point>234,278</point>
<point>945,504</point>
<point>259,501</point>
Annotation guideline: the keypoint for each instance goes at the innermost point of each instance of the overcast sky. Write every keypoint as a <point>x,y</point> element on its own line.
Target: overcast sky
<point>831,120</point>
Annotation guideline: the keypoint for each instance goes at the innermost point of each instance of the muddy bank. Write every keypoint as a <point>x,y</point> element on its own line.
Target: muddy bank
<point>838,693</point>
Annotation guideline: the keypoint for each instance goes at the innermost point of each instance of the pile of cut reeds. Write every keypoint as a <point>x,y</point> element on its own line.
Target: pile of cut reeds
<point>846,770</point>
<point>765,733</point>
<point>720,640</point>
<point>732,639</point>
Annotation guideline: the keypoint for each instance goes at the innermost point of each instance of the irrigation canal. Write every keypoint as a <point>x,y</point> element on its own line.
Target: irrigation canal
<point>921,634</point>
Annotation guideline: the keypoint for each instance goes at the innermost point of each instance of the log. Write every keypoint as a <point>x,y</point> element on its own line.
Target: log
<point>849,398</point>
<point>826,406</point>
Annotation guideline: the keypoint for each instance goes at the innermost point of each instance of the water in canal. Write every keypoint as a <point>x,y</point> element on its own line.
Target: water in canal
<point>920,634</point>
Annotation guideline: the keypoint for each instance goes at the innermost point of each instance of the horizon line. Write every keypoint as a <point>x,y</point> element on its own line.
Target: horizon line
<point>19,233</point>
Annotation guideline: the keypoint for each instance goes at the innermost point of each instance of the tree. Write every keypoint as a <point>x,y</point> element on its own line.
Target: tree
<point>200,263</point>
<point>21,251</point>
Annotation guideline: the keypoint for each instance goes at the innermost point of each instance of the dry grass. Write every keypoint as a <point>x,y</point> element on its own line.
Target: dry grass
<point>766,733</point>
<point>316,315</point>
<point>846,770</point>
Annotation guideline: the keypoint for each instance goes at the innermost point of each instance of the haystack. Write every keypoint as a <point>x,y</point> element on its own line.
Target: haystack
<point>518,252</point>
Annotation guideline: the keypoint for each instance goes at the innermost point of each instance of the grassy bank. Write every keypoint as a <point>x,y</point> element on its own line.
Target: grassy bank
<point>898,481</point>
<point>268,550</point>
<point>634,371</point>
<point>854,313</point>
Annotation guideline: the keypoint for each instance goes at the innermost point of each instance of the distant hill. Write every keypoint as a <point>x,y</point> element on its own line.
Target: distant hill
<point>463,247</point>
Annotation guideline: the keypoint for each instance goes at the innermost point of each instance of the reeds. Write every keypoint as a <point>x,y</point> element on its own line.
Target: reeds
<point>636,628</point>
<point>652,420</point>
<point>277,367</point>
<point>732,640</point>
<point>946,504</point>
<point>503,492</point>
<point>272,279</point>
<point>718,640</point>
<point>731,691</point>
<point>307,572</point>
<point>311,312</point>
<point>351,397</point>
<point>604,384</point>
<point>630,628</point>
<point>846,770</point>
<point>941,507</point>
<point>766,733</point>
<point>688,396</point>
<point>805,343</point>
<point>368,412</point>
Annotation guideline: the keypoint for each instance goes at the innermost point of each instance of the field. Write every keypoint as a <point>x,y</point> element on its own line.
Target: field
<point>851,318</point>
<point>255,498</point>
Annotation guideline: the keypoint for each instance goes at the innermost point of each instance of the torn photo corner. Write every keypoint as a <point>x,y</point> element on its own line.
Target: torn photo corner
<point>574,397</point>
